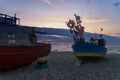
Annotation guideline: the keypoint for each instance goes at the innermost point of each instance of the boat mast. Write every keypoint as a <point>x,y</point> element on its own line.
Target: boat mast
<point>71,25</point>
<point>79,28</point>
<point>76,29</point>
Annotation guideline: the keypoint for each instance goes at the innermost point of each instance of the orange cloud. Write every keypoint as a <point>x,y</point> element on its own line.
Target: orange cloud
<point>91,20</point>
<point>58,19</point>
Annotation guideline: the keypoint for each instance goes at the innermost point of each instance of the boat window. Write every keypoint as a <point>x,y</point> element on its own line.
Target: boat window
<point>11,38</point>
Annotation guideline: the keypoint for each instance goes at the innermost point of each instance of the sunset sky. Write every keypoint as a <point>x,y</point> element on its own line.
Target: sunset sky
<point>95,14</point>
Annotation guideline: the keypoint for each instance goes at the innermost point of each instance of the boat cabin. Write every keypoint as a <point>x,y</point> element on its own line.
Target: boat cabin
<point>11,33</point>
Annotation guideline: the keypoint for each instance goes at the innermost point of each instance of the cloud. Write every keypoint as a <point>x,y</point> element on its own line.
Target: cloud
<point>113,34</point>
<point>47,2</point>
<point>116,4</point>
<point>63,19</point>
<point>91,20</point>
<point>59,19</point>
<point>118,34</point>
<point>62,1</point>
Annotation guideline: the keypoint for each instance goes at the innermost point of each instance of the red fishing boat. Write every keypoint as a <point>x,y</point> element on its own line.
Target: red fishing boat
<point>18,44</point>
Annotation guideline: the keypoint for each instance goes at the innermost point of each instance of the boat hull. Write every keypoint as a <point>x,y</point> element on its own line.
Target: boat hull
<point>87,51</point>
<point>89,56</point>
<point>16,56</point>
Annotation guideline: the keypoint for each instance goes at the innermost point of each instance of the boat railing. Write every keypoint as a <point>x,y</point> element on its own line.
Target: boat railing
<point>6,19</point>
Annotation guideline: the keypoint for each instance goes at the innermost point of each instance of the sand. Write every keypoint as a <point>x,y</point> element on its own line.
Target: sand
<point>62,66</point>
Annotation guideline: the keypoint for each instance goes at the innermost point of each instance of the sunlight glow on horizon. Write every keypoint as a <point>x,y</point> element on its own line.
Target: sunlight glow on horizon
<point>95,14</point>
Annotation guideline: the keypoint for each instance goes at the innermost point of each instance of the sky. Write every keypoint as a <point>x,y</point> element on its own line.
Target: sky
<point>95,14</point>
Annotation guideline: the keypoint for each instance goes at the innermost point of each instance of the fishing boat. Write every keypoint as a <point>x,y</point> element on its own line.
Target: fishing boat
<point>18,44</point>
<point>84,49</point>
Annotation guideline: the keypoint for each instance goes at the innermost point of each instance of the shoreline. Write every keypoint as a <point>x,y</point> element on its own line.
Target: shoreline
<point>61,66</point>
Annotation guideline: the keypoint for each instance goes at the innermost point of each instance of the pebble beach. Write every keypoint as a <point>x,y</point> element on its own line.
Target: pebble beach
<point>62,66</point>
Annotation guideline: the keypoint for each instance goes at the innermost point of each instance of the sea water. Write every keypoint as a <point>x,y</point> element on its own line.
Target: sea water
<point>110,48</point>
<point>60,48</point>
<point>113,49</point>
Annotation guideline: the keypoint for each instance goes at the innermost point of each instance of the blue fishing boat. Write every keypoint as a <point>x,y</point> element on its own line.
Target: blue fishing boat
<point>83,49</point>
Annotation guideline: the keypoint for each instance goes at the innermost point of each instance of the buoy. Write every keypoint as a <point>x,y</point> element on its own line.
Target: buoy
<point>41,63</point>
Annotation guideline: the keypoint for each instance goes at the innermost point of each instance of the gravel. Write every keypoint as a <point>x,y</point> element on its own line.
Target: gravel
<point>62,66</point>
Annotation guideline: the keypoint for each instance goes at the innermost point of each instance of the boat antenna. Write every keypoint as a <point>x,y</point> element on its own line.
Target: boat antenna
<point>101,29</point>
<point>101,32</point>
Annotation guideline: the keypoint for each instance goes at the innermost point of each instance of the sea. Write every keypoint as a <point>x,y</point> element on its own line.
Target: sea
<point>113,49</point>
<point>68,47</point>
